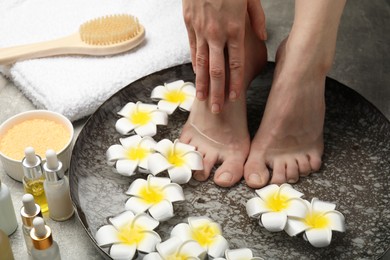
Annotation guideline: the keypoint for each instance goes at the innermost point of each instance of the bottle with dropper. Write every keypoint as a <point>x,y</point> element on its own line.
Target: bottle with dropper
<point>57,188</point>
<point>28,212</point>
<point>33,178</point>
<point>44,247</point>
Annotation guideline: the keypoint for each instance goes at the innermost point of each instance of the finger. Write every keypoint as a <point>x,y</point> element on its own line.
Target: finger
<point>236,56</point>
<point>202,69</point>
<point>217,78</point>
<point>257,17</point>
<point>187,16</point>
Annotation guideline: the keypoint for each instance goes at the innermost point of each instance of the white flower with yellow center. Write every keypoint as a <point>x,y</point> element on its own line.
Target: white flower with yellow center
<point>239,254</point>
<point>155,195</point>
<point>175,94</point>
<point>128,233</point>
<point>318,221</point>
<point>140,118</point>
<point>204,231</point>
<point>133,152</point>
<point>178,158</point>
<point>176,249</point>
<point>274,205</point>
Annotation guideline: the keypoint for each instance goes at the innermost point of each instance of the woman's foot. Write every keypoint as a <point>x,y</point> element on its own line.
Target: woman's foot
<point>290,137</point>
<point>223,137</point>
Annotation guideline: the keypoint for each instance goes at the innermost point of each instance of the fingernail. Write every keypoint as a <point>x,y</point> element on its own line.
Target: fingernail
<point>200,95</point>
<point>226,177</point>
<point>232,95</point>
<point>254,178</point>
<point>215,108</point>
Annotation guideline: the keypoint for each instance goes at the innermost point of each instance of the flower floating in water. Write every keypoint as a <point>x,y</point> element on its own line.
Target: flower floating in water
<point>206,232</point>
<point>274,205</point>
<point>140,118</point>
<point>319,219</point>
<point>241,254</point>
<point>175,248</point>
<point>127,234</point>
<point>133,152</point>
<point>176,94</point>
<point>178,158</point>
<point>154,195</point>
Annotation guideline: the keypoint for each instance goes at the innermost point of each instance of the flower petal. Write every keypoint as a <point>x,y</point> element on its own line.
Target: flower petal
<point>265,192</point>
<point>147,143</point>
<point>175,85</point>
<point>194,160</point>
<point>136,186</point>
<point>158,92</point>
<point>218,247</point>
<point>122,219</point>
<point>189,89</point>
<point>130,141</point>
<point>255,207</point>
<point>241,253</point>
<point>192,248</point>
<point>157,163</point>
<point>184,148</point>
<point>167,106</point>
<point>127,109</point>
<point>115,152</point>
<point>124,126</point>
<point>146,107</point>
<point>162,211</point>
<point>295,226</point>
<point>173,192</point>
<point>296,208</point>
<point>322,206</point>
<point>164,147</point>
<point>337,220</point>
<point>288,191</point>
<point>196,222</point>
<point>126,167</point>
<point>149,129</point>
<point>159,117</point>
<point>153,256</point>
<point>274,221</point>
<point>146,221</point>
<point>158,181</point>
<point>319,237</point>
<point>148,244</point>
<point>144,164</point>
<point>169,246</point>
<point>182,230</point>
<point>106,235</point>
<point>122,251</point>
<point>137,205</point>
<point>180,175</point>
<point>187,103</point>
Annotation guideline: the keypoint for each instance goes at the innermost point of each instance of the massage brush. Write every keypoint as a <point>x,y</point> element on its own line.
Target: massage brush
<point>101,36</point>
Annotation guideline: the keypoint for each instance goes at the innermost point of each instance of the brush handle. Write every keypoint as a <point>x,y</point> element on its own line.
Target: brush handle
<point>38,50</point>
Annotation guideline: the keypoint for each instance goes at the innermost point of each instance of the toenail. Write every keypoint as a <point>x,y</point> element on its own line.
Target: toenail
<point>226,177</point>
<point>233,95</point>
<point>292,181</point>
<point>254,178</point>
<point>215,108</point>
<point>200,95</point>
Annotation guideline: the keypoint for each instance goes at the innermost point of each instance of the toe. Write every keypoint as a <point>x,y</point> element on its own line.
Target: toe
<point>256,173</point>
<point>230,172</point>
<point>279,171</point>
<point>292,170</point>
<point>209,161</point>
<point>315,161</point>
<point>303,165</point>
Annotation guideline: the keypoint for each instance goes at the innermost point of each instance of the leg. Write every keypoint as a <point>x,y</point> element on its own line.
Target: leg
<point>223,137</point>
<point>289,140</point>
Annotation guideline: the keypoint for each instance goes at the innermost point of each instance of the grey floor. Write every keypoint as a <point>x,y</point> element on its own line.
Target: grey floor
<point>361,62</point>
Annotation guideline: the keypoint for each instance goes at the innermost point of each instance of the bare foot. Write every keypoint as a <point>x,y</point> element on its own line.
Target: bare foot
<point>290,137</point>
<point>223,137</point>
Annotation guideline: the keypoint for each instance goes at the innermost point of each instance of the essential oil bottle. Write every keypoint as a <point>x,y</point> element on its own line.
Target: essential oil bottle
<point>33,178</point>
<point>8,221</point>
<point>5,247</point>
<point>28,213</point>
<point>44,247</point>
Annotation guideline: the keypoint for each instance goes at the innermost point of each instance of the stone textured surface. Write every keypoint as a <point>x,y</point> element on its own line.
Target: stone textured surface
<point>355,174</point>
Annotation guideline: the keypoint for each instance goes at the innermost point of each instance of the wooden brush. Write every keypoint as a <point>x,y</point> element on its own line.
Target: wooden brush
<point>101,36</point>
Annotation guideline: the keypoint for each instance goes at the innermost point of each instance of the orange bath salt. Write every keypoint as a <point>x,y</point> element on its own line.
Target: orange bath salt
<point>41,134</point>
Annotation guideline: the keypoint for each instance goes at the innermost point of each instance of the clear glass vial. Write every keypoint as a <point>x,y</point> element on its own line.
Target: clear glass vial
<point>28,212</point>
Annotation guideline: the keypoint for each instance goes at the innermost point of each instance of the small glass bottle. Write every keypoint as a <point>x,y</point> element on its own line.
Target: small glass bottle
<point>33,178</point>
<point>8,221</point>
<point>57,188</point>
<point>44,247</point>
<point>5,247</point>
<point>28,212</point>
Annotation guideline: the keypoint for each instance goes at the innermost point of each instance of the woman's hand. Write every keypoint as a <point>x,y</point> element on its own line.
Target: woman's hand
<point>216,32</point>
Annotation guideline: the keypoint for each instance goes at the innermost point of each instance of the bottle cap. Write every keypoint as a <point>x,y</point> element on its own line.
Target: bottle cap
<point>53,167</point>
<point>41,234</point>
<point>31,164</point>
<point>29,210</point>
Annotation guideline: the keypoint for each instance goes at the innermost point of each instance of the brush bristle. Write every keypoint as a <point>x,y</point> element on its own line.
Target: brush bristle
<point>110,29</point>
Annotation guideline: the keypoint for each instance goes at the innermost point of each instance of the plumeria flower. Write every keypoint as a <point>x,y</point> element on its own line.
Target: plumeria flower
<point>206,232</point>
<point>176,94</point>
<point>133,152</point>
<point>128,233</point>
<point>155,195</point>
<point>274,205</point>
<point>178,158</point>
<point>176,248</point>
<point>140,118</point>
<point>239,254</point>
<point>319,219</point>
